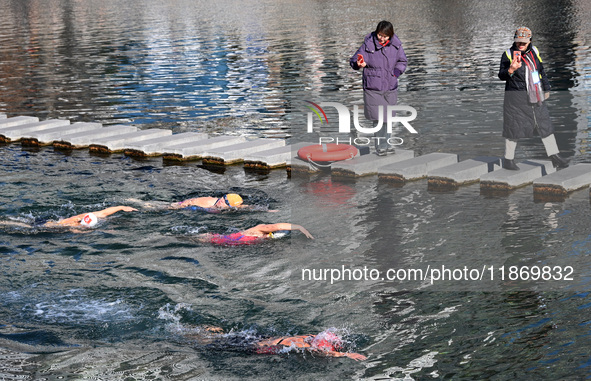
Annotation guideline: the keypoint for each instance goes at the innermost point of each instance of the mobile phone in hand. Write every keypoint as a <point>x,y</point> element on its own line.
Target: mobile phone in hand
<point>517,56</point>
<point>360,59</point>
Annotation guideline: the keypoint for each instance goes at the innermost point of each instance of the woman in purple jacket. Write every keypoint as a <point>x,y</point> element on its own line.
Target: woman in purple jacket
<point>383,60</point>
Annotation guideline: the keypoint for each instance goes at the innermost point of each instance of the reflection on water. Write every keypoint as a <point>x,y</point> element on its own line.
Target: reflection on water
<point>74,303</point>
<point>90,305</point>
<point>180,66</point>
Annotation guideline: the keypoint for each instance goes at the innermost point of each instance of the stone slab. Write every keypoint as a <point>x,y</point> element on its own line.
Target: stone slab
<point>297,164</point>
<point>195,150</point>
<point>17,121</point>
<point>272,158</point>
<point>46,137</point>
<point>158,146</point>
<point>566,180</point>
<point>84,139</point>
<point>465,172</point>
<point>416,168</point>
<point>367,165</point>
<point>119,142</point>
<point>235,153</point>
<point>505,179</point>
<point>13,134</point>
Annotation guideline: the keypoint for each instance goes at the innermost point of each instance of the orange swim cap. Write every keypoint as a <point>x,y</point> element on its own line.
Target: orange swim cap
<point>233,199</point>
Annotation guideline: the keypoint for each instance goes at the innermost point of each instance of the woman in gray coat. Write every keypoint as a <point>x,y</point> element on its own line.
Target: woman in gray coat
<point>524,109</point>
<point>383,60</point>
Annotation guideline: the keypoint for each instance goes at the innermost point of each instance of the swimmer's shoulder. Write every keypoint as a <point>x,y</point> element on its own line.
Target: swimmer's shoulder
<point>202,202</point>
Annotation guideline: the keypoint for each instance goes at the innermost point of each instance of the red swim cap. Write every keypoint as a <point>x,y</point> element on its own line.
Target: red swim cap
<point>327,341</point>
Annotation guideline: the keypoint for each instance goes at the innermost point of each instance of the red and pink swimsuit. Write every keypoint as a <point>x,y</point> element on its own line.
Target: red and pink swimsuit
<point>234,239</point>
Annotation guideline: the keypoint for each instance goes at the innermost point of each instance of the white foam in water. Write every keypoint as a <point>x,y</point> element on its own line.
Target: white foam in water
<point>166,313</point>
<point>188,229</point>
<point>171,315</point>
<point>426,361</point>
<point>76,307</point>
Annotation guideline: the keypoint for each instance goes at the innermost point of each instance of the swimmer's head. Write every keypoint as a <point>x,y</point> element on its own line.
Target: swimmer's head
<point>89,220</point>
<point>279,234</point>
<point>232,200</point>
<point>327,341</point>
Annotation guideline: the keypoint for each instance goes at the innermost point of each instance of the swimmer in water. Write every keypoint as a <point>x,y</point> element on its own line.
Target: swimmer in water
<point>326,343</point>
<point>255,234</point>
<point>230,201</point>
<point>81,220</point>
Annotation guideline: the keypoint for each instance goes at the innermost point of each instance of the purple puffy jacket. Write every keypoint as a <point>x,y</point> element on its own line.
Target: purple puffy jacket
<point>384,63</point>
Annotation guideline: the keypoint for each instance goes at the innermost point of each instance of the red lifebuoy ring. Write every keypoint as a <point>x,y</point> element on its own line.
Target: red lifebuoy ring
<point>328,152</point>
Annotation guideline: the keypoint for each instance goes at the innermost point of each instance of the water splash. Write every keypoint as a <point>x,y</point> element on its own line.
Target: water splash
<point>75,307</point>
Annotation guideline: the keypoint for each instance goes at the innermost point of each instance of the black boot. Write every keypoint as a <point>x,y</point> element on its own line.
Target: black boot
<point>559,162</point>
<point>510,164</point>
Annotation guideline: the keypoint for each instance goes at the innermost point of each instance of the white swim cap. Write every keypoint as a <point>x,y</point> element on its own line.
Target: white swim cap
<point>89,220</point>
<point>279,234</point>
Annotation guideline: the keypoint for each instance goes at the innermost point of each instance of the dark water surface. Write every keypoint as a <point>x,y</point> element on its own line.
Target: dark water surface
<point>114,303</point>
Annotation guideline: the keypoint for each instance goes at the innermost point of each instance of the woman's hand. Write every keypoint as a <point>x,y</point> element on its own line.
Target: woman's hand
<point>516,64</point>
<point>303,230</point>
<point>128,209</point>
<point>356,356</point>
<point>361,61</point>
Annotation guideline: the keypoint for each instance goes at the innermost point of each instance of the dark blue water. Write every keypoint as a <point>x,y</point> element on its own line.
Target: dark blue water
<point>116,302</point>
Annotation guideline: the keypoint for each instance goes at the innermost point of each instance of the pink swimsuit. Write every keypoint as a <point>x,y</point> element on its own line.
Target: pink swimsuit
<point>234,239</point>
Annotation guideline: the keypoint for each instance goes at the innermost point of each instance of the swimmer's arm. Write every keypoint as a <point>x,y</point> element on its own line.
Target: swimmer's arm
<point>354,356</point>
<point>112,210</point>
<point>183,204</point>
<point>194,206</point>
<point>154,204</point>
<point>194,202</point>
<point>75,220</point>
<point>303,230</point>
<point>15,223</point>
<point>270,228</point>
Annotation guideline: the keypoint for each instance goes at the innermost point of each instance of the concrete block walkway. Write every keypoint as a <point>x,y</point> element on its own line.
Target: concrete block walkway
<point>463,173</point>
<point>416,168</point>
<point>196,150</point>
<point>506,180</point>
<point>442,170</point>
<point>564,181</point>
